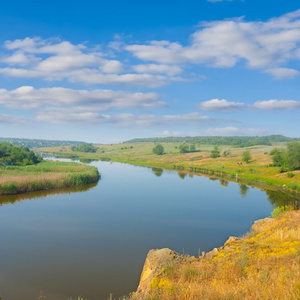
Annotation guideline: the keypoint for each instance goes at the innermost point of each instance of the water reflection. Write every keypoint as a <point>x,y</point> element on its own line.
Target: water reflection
<point>6,199</point>
<point>244,190</point>
<point>181,175</point>
<point>277,198</point>
<point>87,160</point>
<point>157,171</point>
<point>224,182</point>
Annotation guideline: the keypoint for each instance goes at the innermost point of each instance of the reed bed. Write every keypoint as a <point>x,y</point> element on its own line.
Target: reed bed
<point>45,175</point>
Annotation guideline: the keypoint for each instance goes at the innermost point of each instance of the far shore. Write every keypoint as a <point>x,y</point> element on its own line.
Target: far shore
<point>257,172</point>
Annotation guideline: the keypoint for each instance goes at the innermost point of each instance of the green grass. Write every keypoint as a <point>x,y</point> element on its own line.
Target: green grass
<point>256,172</point>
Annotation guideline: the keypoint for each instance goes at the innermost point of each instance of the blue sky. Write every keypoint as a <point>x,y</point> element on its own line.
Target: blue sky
<point>108,71</point>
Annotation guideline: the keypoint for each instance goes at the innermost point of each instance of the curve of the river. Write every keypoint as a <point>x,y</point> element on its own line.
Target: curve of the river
<point>91,241</point>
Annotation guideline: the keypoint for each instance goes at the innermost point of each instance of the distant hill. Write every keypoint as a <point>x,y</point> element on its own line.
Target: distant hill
<point>35,143</point>
<point>236,141</point>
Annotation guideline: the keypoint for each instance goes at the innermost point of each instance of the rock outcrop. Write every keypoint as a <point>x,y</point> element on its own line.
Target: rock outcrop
<point>256,225</point>
<point>155,261</point>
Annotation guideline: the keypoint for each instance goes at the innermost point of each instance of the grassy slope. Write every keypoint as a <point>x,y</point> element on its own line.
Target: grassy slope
<point>257,170</point>
<point>45,175</point>
<point>265,264</point>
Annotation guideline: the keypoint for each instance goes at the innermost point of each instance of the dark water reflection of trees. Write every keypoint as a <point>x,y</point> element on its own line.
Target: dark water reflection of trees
<point>157,171</point>
<point>277,198</point>
<point>6,199</point>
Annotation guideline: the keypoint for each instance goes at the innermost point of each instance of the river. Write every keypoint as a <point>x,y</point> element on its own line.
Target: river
<point>92,241</point>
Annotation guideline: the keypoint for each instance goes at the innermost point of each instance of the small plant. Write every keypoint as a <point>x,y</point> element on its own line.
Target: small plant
<point>290,174</point>
<point>279,210</point>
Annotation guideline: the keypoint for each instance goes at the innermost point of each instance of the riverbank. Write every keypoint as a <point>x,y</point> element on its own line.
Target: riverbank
<point>257,172</point>
<point>264,264</point>
<point>46,175</point>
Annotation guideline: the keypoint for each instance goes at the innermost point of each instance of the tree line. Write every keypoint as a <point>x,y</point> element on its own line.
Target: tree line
<point>17,155</point>
<point>84,148</point>
<point>235,141</point>
<point>37,143</point>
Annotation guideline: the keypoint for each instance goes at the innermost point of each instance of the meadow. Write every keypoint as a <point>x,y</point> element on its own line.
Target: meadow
<point>45,175</point>
<point>257,172</point>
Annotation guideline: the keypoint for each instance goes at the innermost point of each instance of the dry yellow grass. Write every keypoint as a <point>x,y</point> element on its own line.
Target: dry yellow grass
<point>263,265</point>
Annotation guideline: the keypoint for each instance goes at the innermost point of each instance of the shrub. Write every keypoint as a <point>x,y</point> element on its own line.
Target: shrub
<point>183,149</point>
<point>158,149</point>
<point>279,210</point>
<point>290,174</point>
<point>215,153</point>
<point>246,157</point>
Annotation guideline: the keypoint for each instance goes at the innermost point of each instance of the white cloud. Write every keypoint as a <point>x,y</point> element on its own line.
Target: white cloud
<point>217,105</point>
<point>170,133</point>
<point>277,104</point>
<point>77,117</point>
<point>12,120</point>
<point>52,59</point>
<point>282,73</point>
<point>26,97</point>
<point>231,131</point>
<point>225,43</point>
<point>157,69</point>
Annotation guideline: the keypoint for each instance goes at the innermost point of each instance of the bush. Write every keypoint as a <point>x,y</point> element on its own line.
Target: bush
<point>158,149</point>
<point>290,174</point>
<point>246,157</point>
<point>279,210</point>
<point>183,149</point>
<point>215,153</point>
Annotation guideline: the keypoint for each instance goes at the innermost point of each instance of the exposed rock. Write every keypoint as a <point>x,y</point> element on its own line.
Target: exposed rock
<point>212,253</point>
<point>232,239</point>
<point>258,223</point>
<point>155,261</point>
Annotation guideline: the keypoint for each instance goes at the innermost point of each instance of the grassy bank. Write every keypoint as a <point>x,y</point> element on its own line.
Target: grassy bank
<point>265,264</point>
<point>44,176</point>
<point>257,171</point>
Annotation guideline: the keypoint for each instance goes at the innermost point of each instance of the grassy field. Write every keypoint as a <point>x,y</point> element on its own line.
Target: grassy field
<point>257,171</point>
<point>262,265</point>
<point>44,176</point>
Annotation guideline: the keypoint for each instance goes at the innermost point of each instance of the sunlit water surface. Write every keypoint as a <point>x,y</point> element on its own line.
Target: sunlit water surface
<point>92,241</point>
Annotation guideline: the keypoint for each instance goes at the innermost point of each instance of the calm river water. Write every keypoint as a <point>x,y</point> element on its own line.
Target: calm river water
<point>92,241</point>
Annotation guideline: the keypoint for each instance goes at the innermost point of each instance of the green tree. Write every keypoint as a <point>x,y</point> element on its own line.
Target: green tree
<point>293,155</point>
<point>183,149</point>
<point>17,155</point>
<point>226,153</point>
<point>158,149</point>
<point>192,148</point>
<point>215,153</point>
<point>84,148</point>
<point>279,157</point>
<point>246,156</point>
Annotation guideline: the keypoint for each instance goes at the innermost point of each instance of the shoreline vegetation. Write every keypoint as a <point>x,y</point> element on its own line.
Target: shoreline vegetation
<point>258,171</point>
<point>46,175</point>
